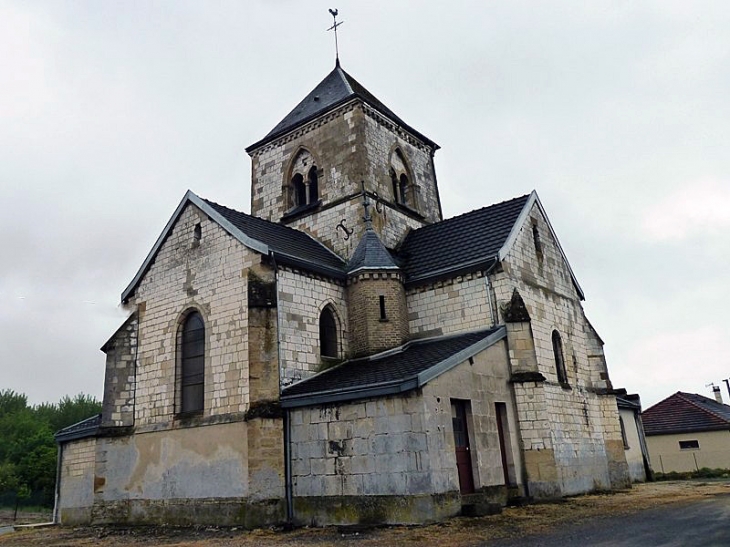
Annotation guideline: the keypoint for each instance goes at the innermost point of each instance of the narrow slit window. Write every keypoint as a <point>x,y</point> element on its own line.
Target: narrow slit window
<point>197,232</point>
<point>559,358</point>
<point>383,317</point>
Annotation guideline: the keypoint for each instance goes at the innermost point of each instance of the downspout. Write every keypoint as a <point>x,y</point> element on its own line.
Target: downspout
<point>491,297</point>
<point>287,421</point>
<point>56,508</point>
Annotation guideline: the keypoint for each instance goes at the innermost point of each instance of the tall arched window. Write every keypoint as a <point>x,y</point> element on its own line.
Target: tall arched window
<point>328,333</point>
<point>559,359</point>
<point>192,363</point>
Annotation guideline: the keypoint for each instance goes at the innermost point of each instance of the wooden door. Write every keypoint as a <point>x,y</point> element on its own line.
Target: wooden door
<point>461,442</point>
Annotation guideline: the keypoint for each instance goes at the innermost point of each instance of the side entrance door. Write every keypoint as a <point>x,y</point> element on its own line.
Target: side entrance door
<point>461,441</point>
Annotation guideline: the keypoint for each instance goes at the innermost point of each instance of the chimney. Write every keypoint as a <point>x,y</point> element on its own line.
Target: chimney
<point>717,394</point>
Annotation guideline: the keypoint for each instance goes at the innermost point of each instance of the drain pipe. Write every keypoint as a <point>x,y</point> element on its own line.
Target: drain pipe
<point>490,291</point>
<point>57,496</point>
<point>287,421</point>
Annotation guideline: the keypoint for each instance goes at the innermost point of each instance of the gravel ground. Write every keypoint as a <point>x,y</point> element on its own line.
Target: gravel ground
<point>512,524</point>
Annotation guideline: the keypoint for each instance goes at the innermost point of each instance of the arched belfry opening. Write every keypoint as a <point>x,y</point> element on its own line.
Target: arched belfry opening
<point>402,184</point>
<point>302,184</point>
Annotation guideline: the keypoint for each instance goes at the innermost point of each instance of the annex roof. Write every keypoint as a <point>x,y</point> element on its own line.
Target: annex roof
<point>288,246</point>
<point>85,428</point>
<point>394,371</point>
<point>337,88</point>
<point>475,240</point>
<point>685,413</point>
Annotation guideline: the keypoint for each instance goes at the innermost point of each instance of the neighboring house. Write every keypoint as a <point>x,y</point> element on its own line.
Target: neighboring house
<point>632,432</point>
<point>344,354</point>
<point>686,432</point>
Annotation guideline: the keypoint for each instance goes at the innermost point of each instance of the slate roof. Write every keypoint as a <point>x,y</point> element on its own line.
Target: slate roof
<point>686,413</point>
<point>85,428</point>
<point>337,88</point>
<point>289,245</point>
<point>370,254</point>
<point>459,243</point>
<point>394,371</point>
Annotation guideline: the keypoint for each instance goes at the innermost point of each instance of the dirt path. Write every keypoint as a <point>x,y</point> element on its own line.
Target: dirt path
<point>514,522</point>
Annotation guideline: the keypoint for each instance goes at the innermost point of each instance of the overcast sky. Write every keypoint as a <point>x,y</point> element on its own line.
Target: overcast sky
<point>617,113</point>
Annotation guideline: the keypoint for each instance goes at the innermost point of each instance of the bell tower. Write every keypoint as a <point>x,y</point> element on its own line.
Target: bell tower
<point>311,170</point>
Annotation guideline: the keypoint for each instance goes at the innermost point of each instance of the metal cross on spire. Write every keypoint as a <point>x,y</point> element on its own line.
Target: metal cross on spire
<point>334,13</point>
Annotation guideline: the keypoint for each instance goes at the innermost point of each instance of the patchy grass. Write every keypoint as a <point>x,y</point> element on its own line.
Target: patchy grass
<point>703,473</point>
<point>513,522</point>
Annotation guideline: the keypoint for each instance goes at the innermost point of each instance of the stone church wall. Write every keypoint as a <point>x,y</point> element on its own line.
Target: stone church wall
<point>119,379</point>
<point>392,459</point>
<point>301,300</point>
<point>76,481</point>
<point>582,425</point>
<point>383,137</point>
<point>209,275</point>
<point>180,476</point>
<point>450,306</point>
<point>324,138</point>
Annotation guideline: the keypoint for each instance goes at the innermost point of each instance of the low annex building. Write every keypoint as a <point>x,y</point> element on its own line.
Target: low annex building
<point>344,354</point>
<point>686,432</point>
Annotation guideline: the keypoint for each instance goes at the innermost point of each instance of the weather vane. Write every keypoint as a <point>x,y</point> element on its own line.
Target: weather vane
<point>334,13</point>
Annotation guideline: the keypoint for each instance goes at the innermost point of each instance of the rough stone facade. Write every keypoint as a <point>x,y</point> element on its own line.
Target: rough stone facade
<point>399,450</point>
<point>374,328</point>
<point>539,414</point>
<point>76,482</point>
<point>349,146</point>
<point>571,433</point>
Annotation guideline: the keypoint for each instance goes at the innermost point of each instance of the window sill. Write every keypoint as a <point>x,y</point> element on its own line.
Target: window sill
<point>566,386</point>
<point>300,211</point>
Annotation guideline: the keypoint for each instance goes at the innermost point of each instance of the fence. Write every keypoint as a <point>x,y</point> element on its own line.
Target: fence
<point>13,502</point>
<point>690,460</point>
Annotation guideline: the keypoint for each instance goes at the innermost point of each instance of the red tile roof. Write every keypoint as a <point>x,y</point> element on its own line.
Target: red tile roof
<point>685,413</point>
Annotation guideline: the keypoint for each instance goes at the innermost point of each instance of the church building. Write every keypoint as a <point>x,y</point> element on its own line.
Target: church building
<point>344,354</point>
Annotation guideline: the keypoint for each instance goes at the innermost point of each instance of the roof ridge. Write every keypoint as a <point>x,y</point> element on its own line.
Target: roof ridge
<point>345,77</point>
<point>278,224</point>
<point>682,395</point>
<point>467,213</point>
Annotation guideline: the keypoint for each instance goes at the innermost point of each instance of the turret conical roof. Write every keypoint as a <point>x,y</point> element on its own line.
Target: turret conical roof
<point>371,254</point>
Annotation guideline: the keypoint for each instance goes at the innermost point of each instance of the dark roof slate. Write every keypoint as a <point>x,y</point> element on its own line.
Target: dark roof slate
<point>685,413</point>
<point>287,243</point>
<point>337,88</point>
<point>85,428</point>
<point>370,254</point>
<point>457,243</point>
<point>392,371</point>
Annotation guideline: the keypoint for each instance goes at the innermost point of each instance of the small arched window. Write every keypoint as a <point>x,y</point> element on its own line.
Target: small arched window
<point>559,359</point>
<point>328,333</point>
<point>313,185</point>
<point>192,363</point>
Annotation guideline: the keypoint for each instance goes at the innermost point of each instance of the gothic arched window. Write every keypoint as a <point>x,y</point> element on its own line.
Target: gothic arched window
<point>328,333</point>
<point>192,363</point>
<point>404,192</point>
<point>559,359</point>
